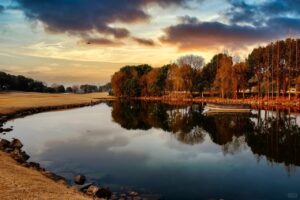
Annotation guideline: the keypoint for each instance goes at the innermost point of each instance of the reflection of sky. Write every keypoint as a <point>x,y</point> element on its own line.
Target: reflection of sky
<point>86,141</point>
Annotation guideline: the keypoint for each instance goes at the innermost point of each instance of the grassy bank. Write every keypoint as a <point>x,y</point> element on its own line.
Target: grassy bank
<point>18,182</point>
<point>14,102</point>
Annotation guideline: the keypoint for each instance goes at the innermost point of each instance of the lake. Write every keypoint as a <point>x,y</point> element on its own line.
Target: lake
<point>174,151</point>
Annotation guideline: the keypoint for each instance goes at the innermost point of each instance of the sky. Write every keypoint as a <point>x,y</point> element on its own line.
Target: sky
<point>86,41</point>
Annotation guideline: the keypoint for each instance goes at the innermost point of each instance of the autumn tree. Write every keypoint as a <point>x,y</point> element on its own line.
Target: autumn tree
<point>192,66</point>
<point>223,81</point>
<point>239,78</point>
<point>209,72</point>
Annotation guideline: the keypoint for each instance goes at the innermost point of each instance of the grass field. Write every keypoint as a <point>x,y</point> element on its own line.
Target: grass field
<point>16,101</point>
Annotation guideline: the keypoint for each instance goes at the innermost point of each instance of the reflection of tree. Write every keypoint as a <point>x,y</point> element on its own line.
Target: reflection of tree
<point>196,136</point>
<point>223,127</point>
<point>236,145</point>
<point>181,120</point>
<point>275,135</point>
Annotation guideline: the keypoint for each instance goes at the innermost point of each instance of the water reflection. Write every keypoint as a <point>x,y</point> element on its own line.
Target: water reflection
<point>172,150</point>
<point>274,134</point>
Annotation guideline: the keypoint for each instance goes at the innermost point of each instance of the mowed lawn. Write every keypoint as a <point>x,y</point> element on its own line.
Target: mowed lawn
<point>11,102</point>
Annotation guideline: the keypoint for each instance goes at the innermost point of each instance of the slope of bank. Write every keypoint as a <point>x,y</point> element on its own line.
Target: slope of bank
<point>18,182</point>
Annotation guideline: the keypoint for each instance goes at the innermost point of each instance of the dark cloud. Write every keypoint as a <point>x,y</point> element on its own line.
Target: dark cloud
<point>100,42</point>
<point>89,17</point>
<point>193,34</point>
<point>245,23</point>
<point>1,8</point>
<point>142,41</point>
<point>259,13</point>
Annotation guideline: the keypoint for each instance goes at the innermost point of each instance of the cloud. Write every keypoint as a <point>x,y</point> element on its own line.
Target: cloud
<point>100,42</point>
<point>259,13</point>
<point>194,34</point>
<point>81,17</point>
<point>142,41</point>
<point>1,9</point>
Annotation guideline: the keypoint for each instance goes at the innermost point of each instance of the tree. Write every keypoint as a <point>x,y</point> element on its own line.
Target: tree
<point>126,82</point>
<point>75,88</point>
<point>239,78</point>
<point>196,62</point>
<point>223,80</point>
<point>209,72</point>
<point>69,90</point>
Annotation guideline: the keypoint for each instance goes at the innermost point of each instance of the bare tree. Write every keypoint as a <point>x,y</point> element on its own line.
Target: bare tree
<point>196,62</point>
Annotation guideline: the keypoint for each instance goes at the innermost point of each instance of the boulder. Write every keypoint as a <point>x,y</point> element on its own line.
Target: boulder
<point>103,193</point>
<point>3,130</point>
<point>16,144</point>
<point>19,156</point>
<point>55,177</point>
<point>83,188</point>
<point>33,165</point>
<point>79,179</point>
<point>4,144</point>
<point>92,190</point>
<point>8,150</point>
<point>133,194</point>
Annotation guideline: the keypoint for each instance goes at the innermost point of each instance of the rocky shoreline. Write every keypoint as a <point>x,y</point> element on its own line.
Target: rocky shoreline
<point>13,149</point>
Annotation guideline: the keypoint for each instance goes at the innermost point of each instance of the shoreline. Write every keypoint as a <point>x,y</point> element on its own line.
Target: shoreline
<point>29,176</point>
<point>255,103</point>
<point>61,103</point>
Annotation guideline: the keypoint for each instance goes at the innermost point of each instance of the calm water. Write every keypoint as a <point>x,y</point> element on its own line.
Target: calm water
<point>174,151</point>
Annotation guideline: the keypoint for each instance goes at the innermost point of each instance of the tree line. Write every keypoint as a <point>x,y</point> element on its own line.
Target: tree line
<point>10,82</point>
<point>268,71</point>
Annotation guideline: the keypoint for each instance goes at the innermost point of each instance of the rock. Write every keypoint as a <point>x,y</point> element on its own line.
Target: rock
<point>114,197</point>
<point>136,198</point>
<point>83,188</point>
<point>133,194</point>
<point>2,130</point>
<point>33,165</point>
<point>19,156</point>
<point>55,177</point>
<point>4,144</point>
<point>92,190</point>
<point>16,144</point>
<point>103,193</point>
<point>8,150</point>
<point>79,179</point>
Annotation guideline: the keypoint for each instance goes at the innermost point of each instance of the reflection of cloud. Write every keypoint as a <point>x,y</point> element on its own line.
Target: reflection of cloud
<point>1,9</point>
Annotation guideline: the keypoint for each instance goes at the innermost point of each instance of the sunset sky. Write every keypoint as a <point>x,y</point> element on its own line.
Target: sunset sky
<point>86,41</point>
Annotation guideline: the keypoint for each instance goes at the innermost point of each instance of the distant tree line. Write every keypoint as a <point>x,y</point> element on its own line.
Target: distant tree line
<point>268,71</point>
<point>10,82</point>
